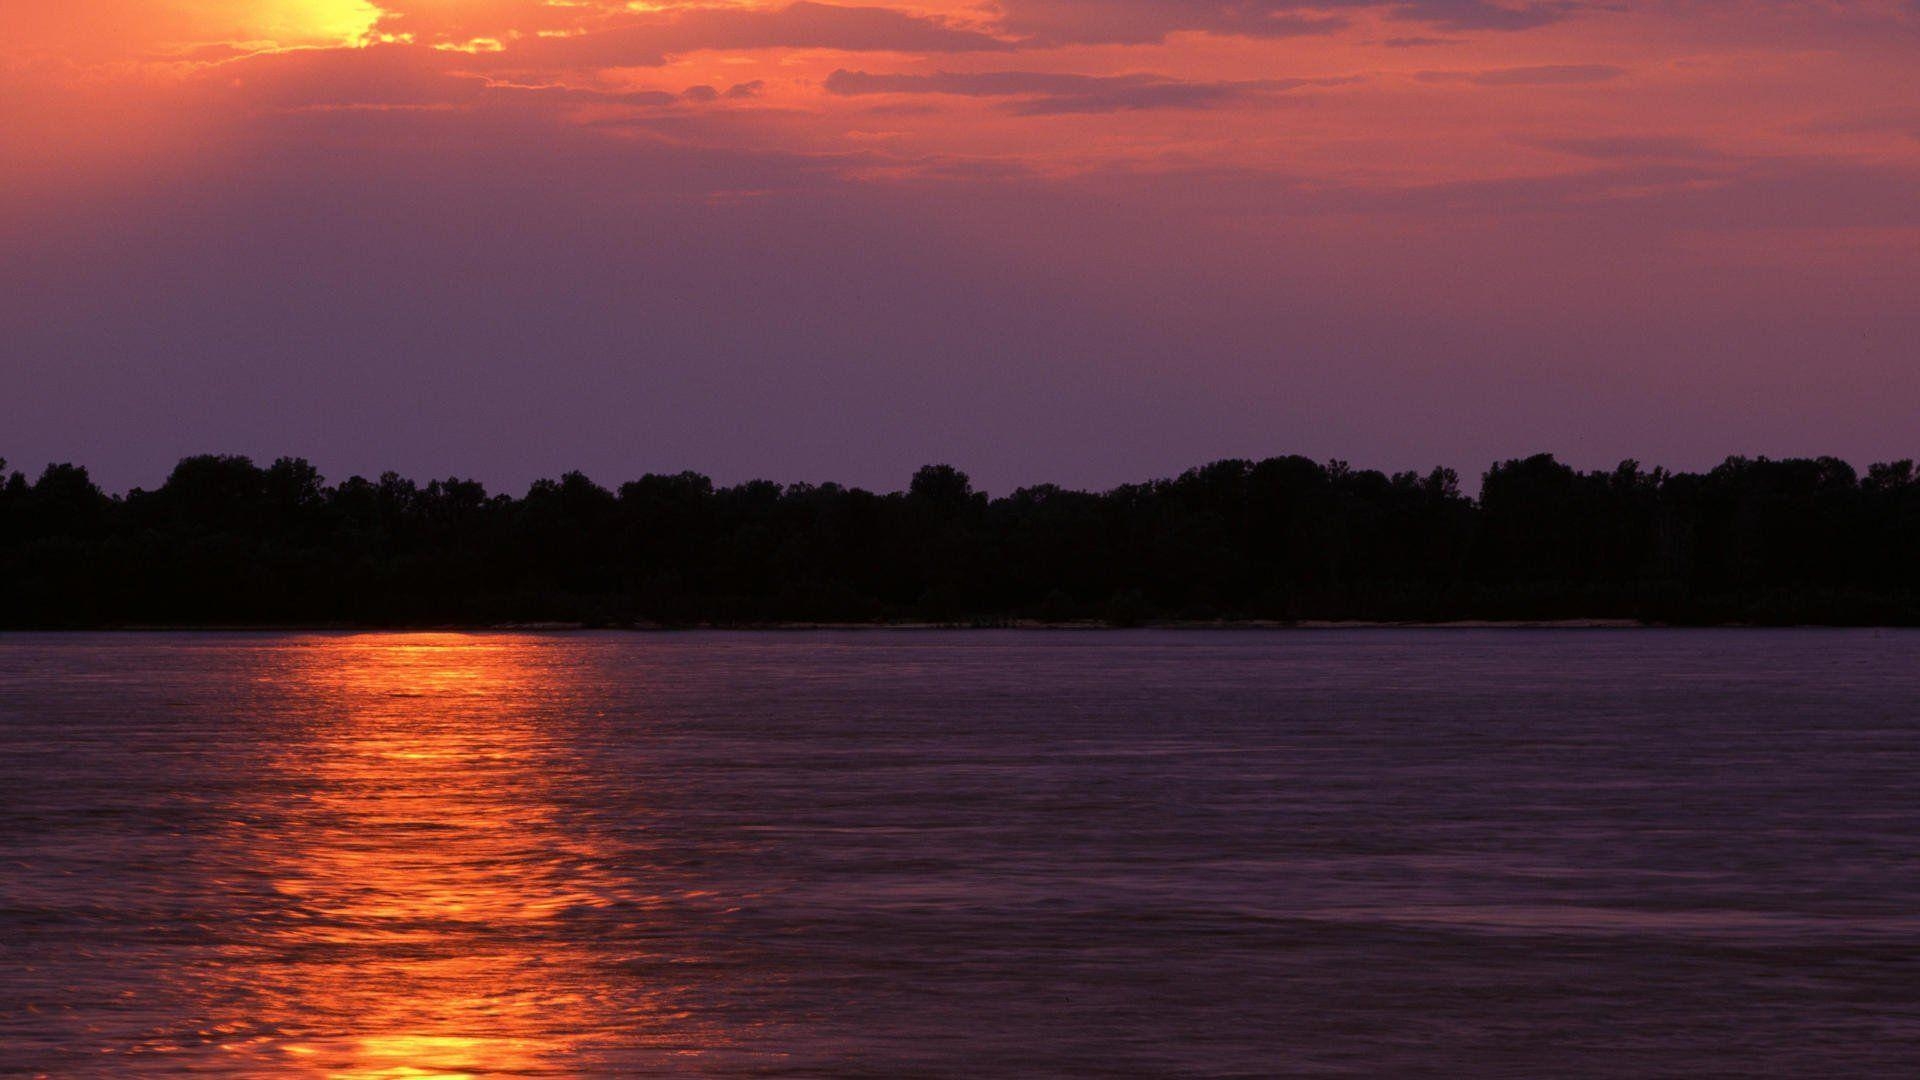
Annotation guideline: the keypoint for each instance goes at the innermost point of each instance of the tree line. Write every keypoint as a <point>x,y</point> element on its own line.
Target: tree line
<point>227,542</point>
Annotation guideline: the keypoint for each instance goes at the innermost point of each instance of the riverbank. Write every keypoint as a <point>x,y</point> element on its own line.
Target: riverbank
<point>925,626</point>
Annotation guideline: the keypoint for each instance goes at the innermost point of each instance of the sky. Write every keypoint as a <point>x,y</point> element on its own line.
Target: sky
<point>1077,241</point>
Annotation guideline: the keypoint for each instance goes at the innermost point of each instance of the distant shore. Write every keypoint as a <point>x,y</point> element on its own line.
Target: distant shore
<point>1281,543</point>
<point>897,627</point>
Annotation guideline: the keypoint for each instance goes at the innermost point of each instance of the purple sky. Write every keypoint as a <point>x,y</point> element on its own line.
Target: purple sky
<point>1084,242</point>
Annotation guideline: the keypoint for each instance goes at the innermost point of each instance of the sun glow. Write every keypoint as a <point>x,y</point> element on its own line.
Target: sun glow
<point>306,22</point>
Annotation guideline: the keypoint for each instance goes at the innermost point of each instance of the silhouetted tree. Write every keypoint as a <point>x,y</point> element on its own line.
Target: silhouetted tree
<point>224,541</point>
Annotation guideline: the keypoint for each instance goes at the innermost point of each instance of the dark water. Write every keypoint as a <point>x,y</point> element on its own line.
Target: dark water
<point>1361,853</point>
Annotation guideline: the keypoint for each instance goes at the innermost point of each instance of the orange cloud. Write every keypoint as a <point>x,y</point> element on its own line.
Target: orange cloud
<point>1335,95</point>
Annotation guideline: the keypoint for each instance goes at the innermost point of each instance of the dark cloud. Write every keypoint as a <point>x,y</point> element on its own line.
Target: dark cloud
<point>1629,147</point>
<point>1056,22</point>
<point>1049,22</point>
<point>1050,93</point>
<point>1483,15</point>
<point>1870,120</point>
<point>649,41</point>
<point>1536,75</point>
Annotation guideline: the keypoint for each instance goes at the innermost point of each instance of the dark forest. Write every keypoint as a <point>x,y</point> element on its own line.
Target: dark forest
<point>225,542</point>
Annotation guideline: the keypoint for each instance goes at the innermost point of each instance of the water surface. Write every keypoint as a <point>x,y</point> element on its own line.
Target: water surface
<point>1365,853</point>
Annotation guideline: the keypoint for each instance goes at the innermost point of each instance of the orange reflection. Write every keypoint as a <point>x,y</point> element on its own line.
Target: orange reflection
<point>431,890</point>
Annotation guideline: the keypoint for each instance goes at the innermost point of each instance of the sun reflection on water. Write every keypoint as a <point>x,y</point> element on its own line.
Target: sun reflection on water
<point>427,883</point>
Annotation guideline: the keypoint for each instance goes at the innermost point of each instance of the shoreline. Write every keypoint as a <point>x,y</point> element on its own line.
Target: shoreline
<point>919,626</point>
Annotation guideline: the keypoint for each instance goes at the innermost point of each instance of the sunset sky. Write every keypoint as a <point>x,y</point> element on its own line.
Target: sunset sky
<point>1084,241</point>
